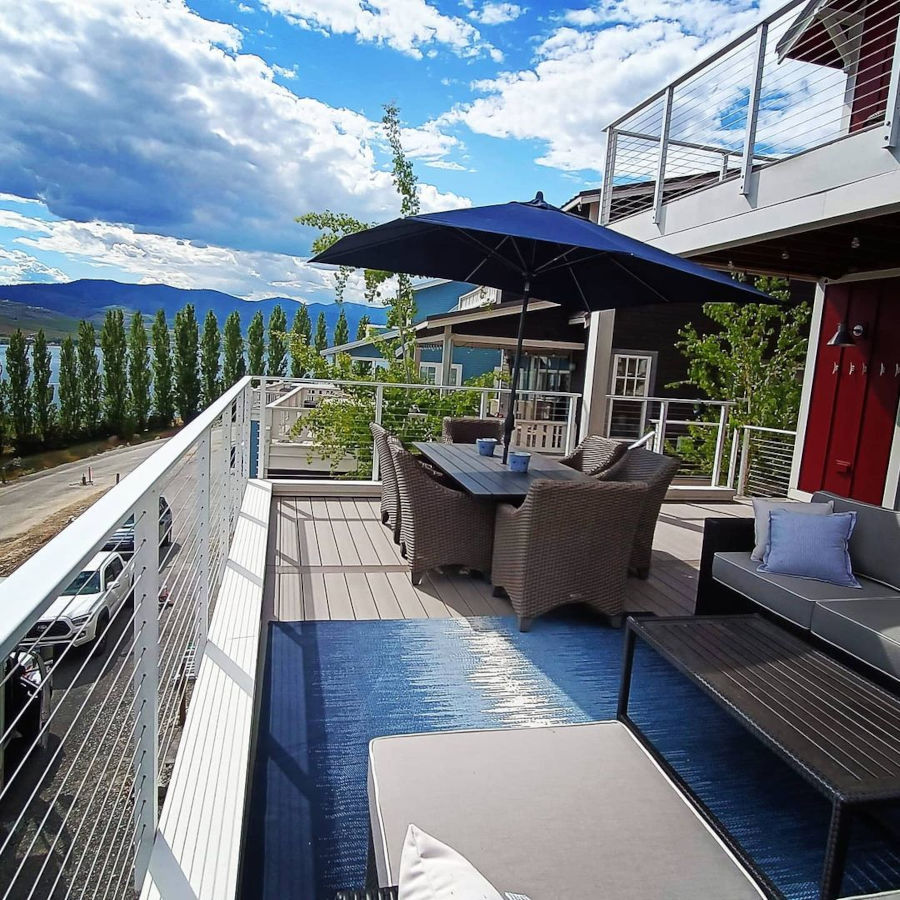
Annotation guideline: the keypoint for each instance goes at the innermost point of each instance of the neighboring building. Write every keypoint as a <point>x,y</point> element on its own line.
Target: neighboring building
<point>804,133</point>
<point>432,298</point>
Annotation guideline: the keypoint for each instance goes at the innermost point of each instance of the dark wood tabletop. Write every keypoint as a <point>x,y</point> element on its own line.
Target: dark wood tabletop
<point>837,729</point>
<point>486,476</point>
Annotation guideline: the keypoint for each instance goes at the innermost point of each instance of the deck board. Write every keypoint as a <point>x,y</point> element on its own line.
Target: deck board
<point>331,558</point>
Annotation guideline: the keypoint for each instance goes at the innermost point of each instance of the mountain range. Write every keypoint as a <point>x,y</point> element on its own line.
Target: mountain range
<point>57,307</point>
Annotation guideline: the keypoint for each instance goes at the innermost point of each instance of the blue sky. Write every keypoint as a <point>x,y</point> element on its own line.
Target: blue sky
<point>164,140</point>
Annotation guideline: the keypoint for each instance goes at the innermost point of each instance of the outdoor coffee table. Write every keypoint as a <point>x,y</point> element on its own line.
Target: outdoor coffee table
<point>837,729</point>
<point>486,477</point>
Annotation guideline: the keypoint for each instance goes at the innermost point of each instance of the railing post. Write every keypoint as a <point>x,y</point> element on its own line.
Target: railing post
<point>482,405</point>
<point>892,112</point>
<point>732,459</point>
<point>570,425</point>
<point>264,430</point>
<point>660,186</point>
<point>202,512</point>
<point>609,175</point>
<point>720,445</point>
<point>745,462</point>
<point>379,410</point>
<point>661,433</point>
<point>223,513</point>
<point>146,678</point>
<point>248,415</point>
<point>753,107</point>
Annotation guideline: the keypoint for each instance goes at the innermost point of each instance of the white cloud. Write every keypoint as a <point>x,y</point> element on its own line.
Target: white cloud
<point>583,77</point>
<point>18,267</point>
<point>144,113</point>
<point>403,25</point>
<point>492,13</point>
<point>447,164</point>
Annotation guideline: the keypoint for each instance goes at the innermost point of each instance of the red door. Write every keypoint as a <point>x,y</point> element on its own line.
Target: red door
<point>855,394</point>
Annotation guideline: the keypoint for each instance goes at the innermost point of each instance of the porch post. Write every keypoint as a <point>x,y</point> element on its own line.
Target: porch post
<point>597,363</point>
<point>892,112</point>
<point>609,174</point>
<point>446,356</point>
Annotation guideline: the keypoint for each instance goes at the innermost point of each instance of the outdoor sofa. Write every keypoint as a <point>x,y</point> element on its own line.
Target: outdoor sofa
<point>863,623</point>
<point>606,823</point>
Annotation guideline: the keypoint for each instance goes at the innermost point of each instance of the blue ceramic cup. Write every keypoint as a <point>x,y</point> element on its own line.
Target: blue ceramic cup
<point>518,461</point>
<point>486,446</point>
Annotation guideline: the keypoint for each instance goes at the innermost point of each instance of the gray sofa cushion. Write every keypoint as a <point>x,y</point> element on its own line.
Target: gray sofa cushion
<point>875,542</point>
<point>788,596</point>
<point>566,811</point>
<point>866,629</point>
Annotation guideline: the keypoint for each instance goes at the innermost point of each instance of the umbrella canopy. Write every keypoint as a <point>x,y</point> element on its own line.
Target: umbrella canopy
<point>536,249</point>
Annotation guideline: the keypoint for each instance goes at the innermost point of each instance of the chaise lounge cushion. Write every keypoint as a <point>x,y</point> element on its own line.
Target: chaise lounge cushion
<point>549,812</point>
<point>866,629</point>
<point>790,597</point>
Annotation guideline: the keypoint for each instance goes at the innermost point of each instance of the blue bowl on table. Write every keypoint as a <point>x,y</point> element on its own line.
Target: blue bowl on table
<point>486,446</point>
<point>518,461</point>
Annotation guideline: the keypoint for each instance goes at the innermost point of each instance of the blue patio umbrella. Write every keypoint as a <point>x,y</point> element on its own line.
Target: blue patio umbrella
<point>537,250</point>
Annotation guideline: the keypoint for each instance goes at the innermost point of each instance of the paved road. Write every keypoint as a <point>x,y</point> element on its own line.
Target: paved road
<point>29,500</point>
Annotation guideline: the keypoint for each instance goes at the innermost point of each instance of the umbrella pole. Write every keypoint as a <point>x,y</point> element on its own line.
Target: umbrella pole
<point>510,422</point>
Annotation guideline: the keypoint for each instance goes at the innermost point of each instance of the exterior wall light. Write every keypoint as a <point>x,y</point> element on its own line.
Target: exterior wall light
<point>845,337</point>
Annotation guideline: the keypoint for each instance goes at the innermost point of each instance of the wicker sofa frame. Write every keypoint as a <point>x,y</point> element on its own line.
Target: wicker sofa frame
<point>467,429</point>
<point>595,454</point>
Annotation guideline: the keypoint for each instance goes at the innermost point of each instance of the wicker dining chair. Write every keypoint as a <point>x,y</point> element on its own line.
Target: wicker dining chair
<point>657,472</point>
<point>438,525</point>
<point>390,494</point>
<point>594,454</point>
<point>467,429</point>
<point>569,542</point>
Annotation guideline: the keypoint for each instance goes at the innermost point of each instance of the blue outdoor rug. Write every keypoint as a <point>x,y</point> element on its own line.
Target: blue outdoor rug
<point>329,687</point>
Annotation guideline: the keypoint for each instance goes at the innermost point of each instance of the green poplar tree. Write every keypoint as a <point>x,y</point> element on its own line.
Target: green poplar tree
<point>114,346</point>
<point>187,369</point>
<point>341,330</point>
<point>210,348</point>
<point>4,418</point>
<point>362,330</point>
<point>301,331</point>
<point>139,375</point>
<point>19,371</point>
<point>277,342</point>
<point>321,341</point>
<point>69,391</point>
<point>256,345</point>
<point>163,388</point>
<point>88,378</point>
<point>235,366</point>
<point>43,410</point>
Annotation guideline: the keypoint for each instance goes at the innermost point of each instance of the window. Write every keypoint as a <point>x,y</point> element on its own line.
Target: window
<point>86,582</point>
<point>631,377</point>
<point>431,373</point>
<point>113,570</point>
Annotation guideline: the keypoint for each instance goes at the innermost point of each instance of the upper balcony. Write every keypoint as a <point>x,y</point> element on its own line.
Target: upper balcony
<point>790,126</point>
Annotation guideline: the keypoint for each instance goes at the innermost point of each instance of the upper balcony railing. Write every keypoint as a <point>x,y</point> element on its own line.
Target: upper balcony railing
<point>803,77</point>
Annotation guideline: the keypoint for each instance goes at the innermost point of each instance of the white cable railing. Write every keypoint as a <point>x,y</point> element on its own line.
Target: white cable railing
<point>694,430</point>
<point>760,462</point>
<point>799,79</point>
<point>321,428</point>
<point>119,604</point>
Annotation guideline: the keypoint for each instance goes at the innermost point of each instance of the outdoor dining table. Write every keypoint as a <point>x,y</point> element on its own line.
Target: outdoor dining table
<point>486,477</point>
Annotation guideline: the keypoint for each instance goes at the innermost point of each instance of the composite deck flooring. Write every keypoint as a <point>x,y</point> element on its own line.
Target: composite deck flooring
<point>331,558</point>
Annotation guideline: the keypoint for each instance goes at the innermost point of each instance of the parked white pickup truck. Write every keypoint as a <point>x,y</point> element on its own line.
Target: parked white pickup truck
<point>83,610</point>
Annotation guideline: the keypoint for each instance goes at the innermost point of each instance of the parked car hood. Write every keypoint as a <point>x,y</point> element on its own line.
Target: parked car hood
<point>71,607</point>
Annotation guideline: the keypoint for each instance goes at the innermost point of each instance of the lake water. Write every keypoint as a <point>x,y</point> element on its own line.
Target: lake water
<point>54,361</point>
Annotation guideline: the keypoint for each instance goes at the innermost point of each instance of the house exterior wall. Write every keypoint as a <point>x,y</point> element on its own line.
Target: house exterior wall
<point>850,443</point>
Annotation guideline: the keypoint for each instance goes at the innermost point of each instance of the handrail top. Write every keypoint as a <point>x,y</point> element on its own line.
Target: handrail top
<point>322,382</point>
<point>692,400</point>
<point>704,63</point>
